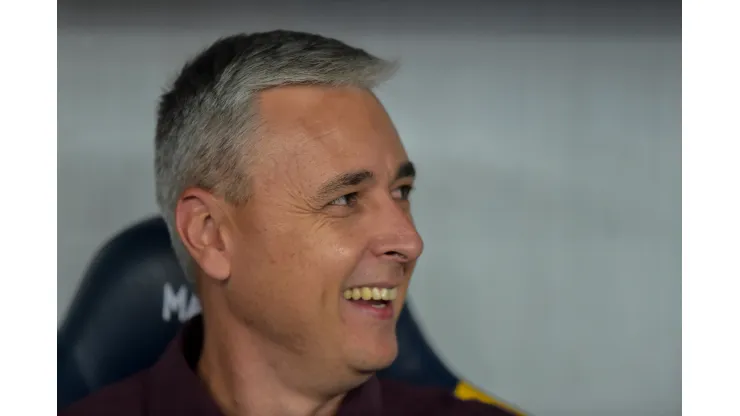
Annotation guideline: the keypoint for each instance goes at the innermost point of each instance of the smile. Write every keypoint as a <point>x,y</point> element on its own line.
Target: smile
<point>376,302</point>
<point>371,293</point>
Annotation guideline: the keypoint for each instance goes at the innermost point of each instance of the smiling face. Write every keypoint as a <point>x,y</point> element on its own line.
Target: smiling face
<point>328,221</point>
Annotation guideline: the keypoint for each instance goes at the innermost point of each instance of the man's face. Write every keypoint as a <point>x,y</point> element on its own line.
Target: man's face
<point>328,219</point>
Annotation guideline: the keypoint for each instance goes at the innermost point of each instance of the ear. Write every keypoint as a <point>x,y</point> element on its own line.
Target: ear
<point>202,225</point>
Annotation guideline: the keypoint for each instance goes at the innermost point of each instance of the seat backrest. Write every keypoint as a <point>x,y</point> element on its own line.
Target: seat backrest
<point>133,300</point>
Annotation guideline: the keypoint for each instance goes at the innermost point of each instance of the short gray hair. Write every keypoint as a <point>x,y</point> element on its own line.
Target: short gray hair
<point>205,117</point>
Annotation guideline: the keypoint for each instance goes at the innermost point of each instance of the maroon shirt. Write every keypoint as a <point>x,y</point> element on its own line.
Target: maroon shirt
<point>172,388</point>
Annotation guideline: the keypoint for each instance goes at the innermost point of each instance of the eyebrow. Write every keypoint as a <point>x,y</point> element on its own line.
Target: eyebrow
<point>406,170</point>
<point>350,179</point>
<point>345,180</point>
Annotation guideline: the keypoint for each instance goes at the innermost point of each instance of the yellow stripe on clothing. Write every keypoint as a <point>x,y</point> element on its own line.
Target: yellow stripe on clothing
<point>466,391</point>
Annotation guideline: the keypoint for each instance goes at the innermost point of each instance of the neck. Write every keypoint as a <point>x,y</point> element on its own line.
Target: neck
<point>247,375</point>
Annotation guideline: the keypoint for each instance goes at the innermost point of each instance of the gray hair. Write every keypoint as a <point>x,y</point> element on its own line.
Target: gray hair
<point>203,120</point>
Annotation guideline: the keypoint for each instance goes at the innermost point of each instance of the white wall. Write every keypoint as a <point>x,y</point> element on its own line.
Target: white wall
<point>549,191</point>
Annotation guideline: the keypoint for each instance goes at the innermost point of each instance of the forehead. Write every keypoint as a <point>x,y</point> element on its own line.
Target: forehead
<point>317,132</point>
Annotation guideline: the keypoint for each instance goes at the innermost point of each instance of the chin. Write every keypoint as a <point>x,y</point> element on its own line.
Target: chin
<point>378,356</point>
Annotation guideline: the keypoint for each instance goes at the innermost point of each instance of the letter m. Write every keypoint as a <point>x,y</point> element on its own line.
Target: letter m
<point>174,302</point>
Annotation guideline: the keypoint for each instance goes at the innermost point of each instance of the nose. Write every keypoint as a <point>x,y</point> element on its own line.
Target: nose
<point>396,237</point>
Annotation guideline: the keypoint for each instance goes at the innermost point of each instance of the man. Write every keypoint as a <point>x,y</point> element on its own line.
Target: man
<point>286,188</point>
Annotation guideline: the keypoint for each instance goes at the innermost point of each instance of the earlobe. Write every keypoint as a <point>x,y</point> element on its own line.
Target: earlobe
<point>198,221</point>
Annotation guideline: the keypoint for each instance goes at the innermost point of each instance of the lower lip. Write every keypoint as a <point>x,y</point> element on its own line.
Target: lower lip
<point>383,313</point>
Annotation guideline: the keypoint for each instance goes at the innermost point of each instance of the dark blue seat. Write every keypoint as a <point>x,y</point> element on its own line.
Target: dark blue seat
<point>134,298</point>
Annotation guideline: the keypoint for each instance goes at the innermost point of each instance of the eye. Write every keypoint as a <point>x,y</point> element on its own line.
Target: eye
<point>345,200</point>
<point>402,192</point>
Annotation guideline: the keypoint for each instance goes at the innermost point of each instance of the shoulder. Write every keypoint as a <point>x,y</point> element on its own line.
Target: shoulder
<point>122,398</point>
<point>410,400</point>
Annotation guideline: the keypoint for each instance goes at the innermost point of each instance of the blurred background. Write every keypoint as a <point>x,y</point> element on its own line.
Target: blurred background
<point>547,139</point>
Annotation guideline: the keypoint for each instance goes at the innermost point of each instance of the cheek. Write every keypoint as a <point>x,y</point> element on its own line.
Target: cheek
<point>302,266</point>
<point>328,259</point>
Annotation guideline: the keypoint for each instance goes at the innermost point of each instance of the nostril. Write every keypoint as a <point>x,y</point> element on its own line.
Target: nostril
<point>396,254</point>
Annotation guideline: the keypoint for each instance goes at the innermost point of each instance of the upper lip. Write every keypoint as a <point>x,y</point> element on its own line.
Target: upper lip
<point>386,284</point>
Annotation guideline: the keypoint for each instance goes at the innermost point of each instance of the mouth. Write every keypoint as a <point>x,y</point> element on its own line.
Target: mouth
<point>375,301</point>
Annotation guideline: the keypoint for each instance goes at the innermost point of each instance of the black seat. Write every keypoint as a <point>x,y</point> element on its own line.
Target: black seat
<point>134,298</point>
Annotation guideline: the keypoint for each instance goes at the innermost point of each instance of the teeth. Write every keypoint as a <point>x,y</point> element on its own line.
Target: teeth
<point>371,293</point>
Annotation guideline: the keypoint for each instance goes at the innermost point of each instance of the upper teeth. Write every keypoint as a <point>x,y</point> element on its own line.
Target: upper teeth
<point>370,293</point>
